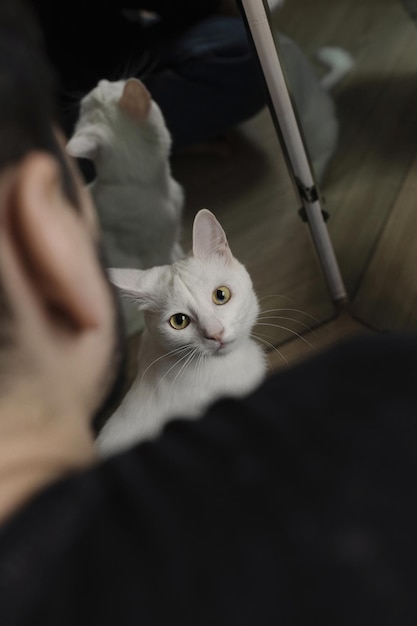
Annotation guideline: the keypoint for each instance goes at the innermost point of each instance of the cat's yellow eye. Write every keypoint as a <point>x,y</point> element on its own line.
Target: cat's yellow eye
<point>221,295</point>
<point>179,321</point>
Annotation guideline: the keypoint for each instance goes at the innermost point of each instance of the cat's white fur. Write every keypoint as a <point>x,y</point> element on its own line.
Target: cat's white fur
<point>314,103</point>
<point>182,371</point>
<point>122,130</point>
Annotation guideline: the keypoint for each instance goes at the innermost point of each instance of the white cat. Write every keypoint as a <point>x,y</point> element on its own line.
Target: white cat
<point>314,103</point>
<point>197,344</point>
<point>122,130</point>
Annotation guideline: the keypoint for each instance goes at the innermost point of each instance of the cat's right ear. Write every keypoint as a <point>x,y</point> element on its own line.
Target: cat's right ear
<point>209,238</point>
<point>135,100</point>
<point>82,146</point>
<point>136,285</point>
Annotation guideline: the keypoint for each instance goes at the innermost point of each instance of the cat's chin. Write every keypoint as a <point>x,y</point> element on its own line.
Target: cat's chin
<point>224,349</point>
<point>218,351</point>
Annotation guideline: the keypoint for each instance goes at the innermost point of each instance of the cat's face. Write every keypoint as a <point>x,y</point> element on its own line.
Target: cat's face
<point>206,306</point>
<point>205,302</point>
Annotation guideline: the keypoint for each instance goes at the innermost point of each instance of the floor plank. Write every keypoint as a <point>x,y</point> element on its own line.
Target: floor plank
<point>388,293</point>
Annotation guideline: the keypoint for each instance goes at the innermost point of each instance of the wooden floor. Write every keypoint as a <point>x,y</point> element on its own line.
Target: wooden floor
<point>370,187</point>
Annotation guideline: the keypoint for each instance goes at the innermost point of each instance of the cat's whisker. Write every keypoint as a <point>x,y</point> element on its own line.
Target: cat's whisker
<point>200,361</point>
<point>290,319</point>
<point>287,310</point>
<point>184,366</point>
<point>164,356</point>
<point>187,350</point>
<point>261,338</point>
<point>277,295</point>
<point>290,330</point>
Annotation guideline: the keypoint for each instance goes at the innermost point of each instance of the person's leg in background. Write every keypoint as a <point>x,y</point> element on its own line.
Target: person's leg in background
<point>203,74</point>
<point>208,81</point>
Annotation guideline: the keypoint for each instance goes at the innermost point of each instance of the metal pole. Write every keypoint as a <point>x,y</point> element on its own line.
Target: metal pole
<point>256,16</point>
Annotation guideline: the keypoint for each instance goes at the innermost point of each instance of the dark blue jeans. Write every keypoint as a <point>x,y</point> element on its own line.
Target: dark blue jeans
<point>208,82</point>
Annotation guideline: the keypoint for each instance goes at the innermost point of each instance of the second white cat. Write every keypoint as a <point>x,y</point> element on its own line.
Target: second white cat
<point>197,344</point>
<point>122,130</point>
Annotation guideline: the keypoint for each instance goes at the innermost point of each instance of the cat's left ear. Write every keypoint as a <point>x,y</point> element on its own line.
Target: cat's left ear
<point>136,285</point>
<point>135,100</point>
<point>82,146</point>
<point>209,238</point>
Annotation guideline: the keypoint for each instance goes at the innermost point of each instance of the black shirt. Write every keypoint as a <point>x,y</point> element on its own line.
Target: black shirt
<point>296,505</point>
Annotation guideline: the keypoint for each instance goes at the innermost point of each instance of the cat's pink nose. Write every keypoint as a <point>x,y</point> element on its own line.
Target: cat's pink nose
<point>218,338</point>
<point>215,336</point>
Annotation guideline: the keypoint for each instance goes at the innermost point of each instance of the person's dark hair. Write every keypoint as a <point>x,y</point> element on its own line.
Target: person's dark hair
<point>27,103</point>
<point>27,108</point>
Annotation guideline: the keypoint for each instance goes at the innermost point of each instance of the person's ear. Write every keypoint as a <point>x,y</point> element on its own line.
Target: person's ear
<point>50,241</point>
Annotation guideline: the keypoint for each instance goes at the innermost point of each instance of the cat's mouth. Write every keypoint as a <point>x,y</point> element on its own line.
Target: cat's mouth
<point>218,348</point>
<point>223,348</point>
